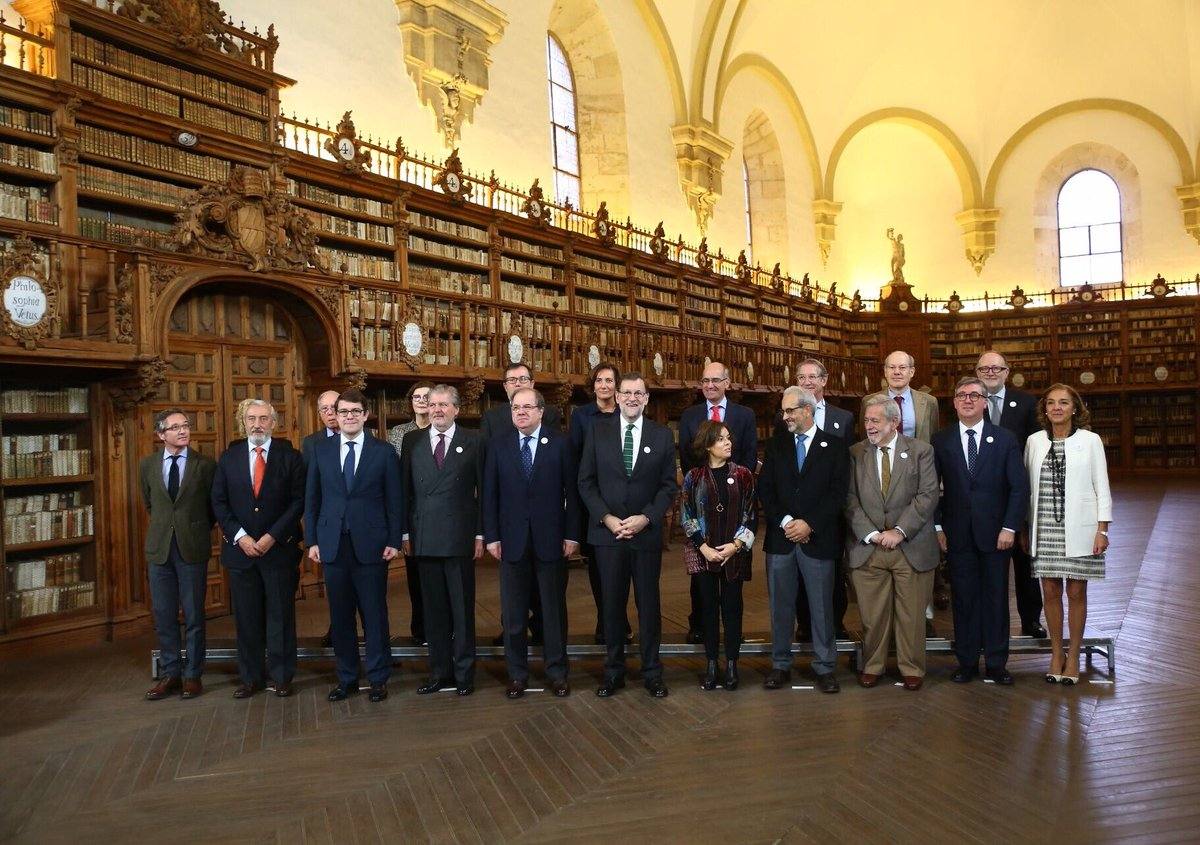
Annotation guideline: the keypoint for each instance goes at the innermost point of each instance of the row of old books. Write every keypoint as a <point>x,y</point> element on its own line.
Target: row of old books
<point>354,228</point>
<point>151,154</point>
<point>446,227</point>
<point>530,295</point>
<point>741,314</point>
<point>656,317</point>
<point>126,90</point>
<point>458,253</point>
<point>454,281</point>
<point>21,156</point>
<point>57,500</point>
<point>702,325</point>
<point>123,229</point>
<point>43,455</point>
<point>357,264</point>
<point>742,332</point>
<point>104,53</point>
<point>583,280</point>
<point>127,185</point>
<point>23,604</point>
<point>530,268</point>
<point>540,250</point>
<point>28,203</point>
<point>656,295</point>
<point>69,400</point>
<point>347,202</point>
<point>50,571</point>
<point>29,121</point>
<point>695,303</point>
<point>597,264</point>
<point>234,124</point>
<point>602,308</point>
<point>61,524</point>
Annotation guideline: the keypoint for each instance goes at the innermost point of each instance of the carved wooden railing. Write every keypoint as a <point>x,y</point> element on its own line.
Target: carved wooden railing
<point>26,49</point>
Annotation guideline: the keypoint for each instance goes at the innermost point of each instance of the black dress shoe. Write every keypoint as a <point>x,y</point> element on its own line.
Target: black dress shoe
<point>327,638</point>
<point>999,676</point>
<point>516,689</point>
<point>777,679</point>
<point>841,633</point>
<point>609,687</point>
<point>246,690</point>
<point>1037,632</point>
<point>378,692</point>
<point>343,691</point>
<point>694,637</point>
<point>826,682</point>
<point>804,635</point>
<point>709,681</point>
<point>731,675</point>
<point>656,688</point>
<point>561,689</point>
<point>537,640</point>
<point>464,690</point>
<point>283,690</point>
<point>963,675</point>
<point>433,685</point>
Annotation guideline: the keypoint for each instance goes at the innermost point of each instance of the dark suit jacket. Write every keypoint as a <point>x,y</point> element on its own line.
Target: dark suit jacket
<point>1019,414</point>
<point>605,489</point>
<point>817,494</point>
<point>498,420</point>
<point>276,510</point>
<point>370,510</point>
<point>310,442</point>
<point>441,507</point>
<point>582,420</point>
<point>973,510</point>
<point>545,508</point>
<point>838,421</point>
<point>189,517</point>
<point>743,428</point>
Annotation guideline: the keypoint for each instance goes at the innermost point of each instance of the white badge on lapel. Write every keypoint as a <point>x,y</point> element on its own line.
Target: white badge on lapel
<point>904,455</point>
<point>458,449</point>
<point>990,439</point>
<point>837,425</point>
<point>1012,403</point>
<point>545,440</point>
<point>824,443</point>
<point>728,480</point>
<point>646,449</point>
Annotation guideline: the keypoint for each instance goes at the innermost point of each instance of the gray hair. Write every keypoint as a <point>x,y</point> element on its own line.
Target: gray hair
<point>538,398</point>
<point>160,419</point>
<point>804,398</point>
<point>448,389</point>
<point>250,403</point>
<point>891,411</point>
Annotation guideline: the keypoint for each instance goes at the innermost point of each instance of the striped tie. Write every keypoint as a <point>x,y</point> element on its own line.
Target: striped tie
<point>627,449</point>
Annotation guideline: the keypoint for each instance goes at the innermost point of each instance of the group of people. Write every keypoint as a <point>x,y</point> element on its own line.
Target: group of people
<point>1012,478</point>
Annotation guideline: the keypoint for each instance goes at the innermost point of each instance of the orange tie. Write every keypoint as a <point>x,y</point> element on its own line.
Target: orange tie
<point>716,413</point>
<point>260,469</point>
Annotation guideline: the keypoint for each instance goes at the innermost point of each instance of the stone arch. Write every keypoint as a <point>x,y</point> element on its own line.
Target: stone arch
<point>1083,156</point>
<point>767,189</point>
<point>1154,121</point>
<point>583,32</point>
<point>941,134</point>
<point>666,50</point>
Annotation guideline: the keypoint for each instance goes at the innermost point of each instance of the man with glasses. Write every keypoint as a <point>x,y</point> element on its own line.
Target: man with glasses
<point>1016,411</point>
<point>443,534</point>
<point>352,521</point>
<point>530,525</point>
<point>743,430</point>
<point>627,482</point>
<point>985,494</point>
<point>918,410</point>
<point>327,412</point>
<point>176,483</point>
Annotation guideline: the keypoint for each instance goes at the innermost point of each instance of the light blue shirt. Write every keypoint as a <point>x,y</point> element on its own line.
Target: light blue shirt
<point>535,438</point>
<point>166,467</point>
<point>723,405</point>
<point>907,412</point>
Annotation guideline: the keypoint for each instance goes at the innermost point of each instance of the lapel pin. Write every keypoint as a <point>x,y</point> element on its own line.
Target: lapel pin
<point>904,455</point>
<point>458,449</point>
<point>1012,403</point>
<point>837,425</point>
<point>728,480</point>
<point>646,449</point>
<point>990,439</point>
<point>824,443</point>
<point>545,440</point>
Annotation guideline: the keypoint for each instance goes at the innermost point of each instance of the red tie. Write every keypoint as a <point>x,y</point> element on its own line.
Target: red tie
<point>716,413</point>
<point>260,469</point>
<point>900,403</point>
<point>439,453</point>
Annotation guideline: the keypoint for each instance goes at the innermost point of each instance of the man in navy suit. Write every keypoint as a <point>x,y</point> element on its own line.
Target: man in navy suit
<point>258,497</point>
<point>803,486</point>
<point>530,525</point>
<point>984,498</point>
<point>743,430</point>
<point>327,411</point>
<point>1016,411</point>
<point>352,522</point>
<point>627,482</point>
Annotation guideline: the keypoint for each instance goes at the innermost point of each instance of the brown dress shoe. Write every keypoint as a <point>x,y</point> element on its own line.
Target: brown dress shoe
<point>283,690</point>
<point>866,679</point>
<point>912,683</point>
<point>191,688</point>
<point>163,688</point>
<point>516,689</point>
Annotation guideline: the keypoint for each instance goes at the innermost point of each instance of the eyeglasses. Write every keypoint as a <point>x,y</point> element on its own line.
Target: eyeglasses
<point>350,412</point>
<point>713,380</point>
<point>968,397</point>
<point>991,371</point>
<point>526,408</point>
<point>518,380</point>
<point>787,412</point>
<point>634,394</point>
<point>324,409</point>
<point>178,427</point>
<point>898,368</point>
<point>420,397</point>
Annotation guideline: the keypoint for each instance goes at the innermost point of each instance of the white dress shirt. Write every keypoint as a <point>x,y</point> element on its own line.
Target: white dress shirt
<point>723,405</point>
<point>637,436</point>
<point>433,437</point>
<point>809,436</point>
<point>358,447</point>
<point>266,447</point>
<point>962,436</point>
<point>988,401</point>
<point>535,436</point>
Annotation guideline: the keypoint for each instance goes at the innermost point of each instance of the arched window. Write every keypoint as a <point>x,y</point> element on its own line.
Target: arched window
<point>564,126</point>
<point>749,227</point>
<point>1089,229</point>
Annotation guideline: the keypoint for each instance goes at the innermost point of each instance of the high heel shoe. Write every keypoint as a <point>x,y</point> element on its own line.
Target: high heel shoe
<point>1068,680</point>
<point>1051,678</point>
<point>709,681</point>
<point>731,675</point>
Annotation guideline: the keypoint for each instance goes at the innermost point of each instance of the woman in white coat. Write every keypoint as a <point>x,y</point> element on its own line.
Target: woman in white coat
<point>1070,512</point>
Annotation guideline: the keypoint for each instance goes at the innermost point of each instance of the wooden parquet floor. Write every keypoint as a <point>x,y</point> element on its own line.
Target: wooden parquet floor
<point>83,758</point>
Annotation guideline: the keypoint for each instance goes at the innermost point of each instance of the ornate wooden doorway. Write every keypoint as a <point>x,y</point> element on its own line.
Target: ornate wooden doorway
<point>223,347</point>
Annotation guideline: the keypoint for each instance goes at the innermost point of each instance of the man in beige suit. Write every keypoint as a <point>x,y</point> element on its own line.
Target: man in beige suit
<point>891,545</point>
<point>918,410</point>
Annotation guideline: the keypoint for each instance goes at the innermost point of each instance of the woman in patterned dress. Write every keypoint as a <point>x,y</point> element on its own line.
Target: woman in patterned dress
<point>1070,511</point>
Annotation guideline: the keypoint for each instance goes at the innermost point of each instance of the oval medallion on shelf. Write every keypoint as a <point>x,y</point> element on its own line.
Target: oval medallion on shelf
<point>1161,373</point>
<point>659,366</point>
<point>787,374</point>
<point>1018,379</point>
<point>25,301</point>
<point>1087,377</point>
<point>516,349</point>
<point>750,371</point>
<point>593,355</point>
<point>412,339</point>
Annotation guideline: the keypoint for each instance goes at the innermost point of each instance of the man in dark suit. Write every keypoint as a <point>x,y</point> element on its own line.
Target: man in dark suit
<point>743,430</point>
<point>258,498</point>
<point>1016,411</point>
<point>985,495</point>
<point>530,525</point>
<point>327,411</point>
<point>443,534</point>
<point>175,484</point>
<point>802,488</point>
<point>627,483</point>
<point>352,522</point>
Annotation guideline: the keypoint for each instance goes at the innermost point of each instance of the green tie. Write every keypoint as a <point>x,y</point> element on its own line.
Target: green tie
<point>628,449</point>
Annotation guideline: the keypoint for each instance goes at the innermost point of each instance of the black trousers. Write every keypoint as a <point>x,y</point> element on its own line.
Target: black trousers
<point>352,586</point>
<point>520,581</point>
<point>720,600</point>
<point>264,612</point>
<point>618,566</point>
<point>589,552</point>
<point>840,600</point>
<point>448,591</point>
<point>1027,588</point>
<point>979,596</point>
<point>412,574</point>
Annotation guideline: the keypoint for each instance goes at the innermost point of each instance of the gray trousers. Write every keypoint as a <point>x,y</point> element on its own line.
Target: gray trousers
<point>173,585</point>
<point>783,580</point>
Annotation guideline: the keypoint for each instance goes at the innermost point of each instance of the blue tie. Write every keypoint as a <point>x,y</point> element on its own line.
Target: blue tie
<point>801,452</point>
<point>526,457</point>
<point>348,465</point>
<point>972,452</point>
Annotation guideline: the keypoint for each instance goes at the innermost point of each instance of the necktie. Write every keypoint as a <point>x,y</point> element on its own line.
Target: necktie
<point>173,478</point>
<point>885,476</point>
<point>994,402</point>
<point>627,449</point>
<point>900,403</point>
<point>526,457</point>
<point>439,451</point>
<point>348,465</point>
<point>260,469</point>
<point>716,413</point>
<point>972,452</point>
<point>801,452</point>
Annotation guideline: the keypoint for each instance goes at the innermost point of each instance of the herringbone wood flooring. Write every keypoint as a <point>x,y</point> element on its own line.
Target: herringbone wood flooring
<point>85,759</point>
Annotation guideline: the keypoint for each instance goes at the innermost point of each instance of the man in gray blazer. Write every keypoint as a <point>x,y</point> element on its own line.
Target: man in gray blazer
<point>918,410</point>
<point>443,535</point>
<point>175,484</point>
<point>891,544</point>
